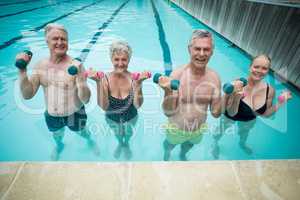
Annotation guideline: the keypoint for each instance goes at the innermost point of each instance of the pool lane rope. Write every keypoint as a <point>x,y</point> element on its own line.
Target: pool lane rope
<point>33,9</point>
<point>36,29</point>
<point>20,2</point>
<point>84,52</point>
<point>163,42</point>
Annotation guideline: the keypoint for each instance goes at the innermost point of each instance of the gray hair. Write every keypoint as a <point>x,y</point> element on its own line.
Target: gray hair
<point>200,33</point>
<point>120,47</point>
<point>52,26</point>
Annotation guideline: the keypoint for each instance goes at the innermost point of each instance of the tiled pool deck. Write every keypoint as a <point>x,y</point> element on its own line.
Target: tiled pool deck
<point>241,180</point>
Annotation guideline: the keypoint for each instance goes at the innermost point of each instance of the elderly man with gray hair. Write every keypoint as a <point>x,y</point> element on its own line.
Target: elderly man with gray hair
<point>199,90</point>
<point>65,95</point>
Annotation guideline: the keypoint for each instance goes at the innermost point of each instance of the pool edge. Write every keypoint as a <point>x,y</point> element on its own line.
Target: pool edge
<point>243,179</point>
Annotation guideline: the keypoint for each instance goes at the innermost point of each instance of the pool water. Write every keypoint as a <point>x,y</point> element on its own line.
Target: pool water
<point>158,32</point>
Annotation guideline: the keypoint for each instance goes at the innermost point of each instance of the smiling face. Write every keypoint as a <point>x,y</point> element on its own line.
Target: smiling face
<point>120,61</point>
<point>57,41</point>
<point>200,51</point>
<point>259,68</point>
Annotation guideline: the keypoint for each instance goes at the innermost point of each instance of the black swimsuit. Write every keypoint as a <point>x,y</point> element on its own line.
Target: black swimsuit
<point>120,110</point>
<point>245,112</point>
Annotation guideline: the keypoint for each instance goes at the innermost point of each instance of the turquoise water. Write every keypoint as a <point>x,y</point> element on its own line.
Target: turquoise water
<point>159,42</point>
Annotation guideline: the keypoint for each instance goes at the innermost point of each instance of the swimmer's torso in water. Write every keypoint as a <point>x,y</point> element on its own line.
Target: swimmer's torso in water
<point>60,91</point>
<point>121,108</point>
<point>246,113</point>
<point>195,95</point>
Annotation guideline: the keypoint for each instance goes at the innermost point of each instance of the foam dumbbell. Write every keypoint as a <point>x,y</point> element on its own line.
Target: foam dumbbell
<point>73,70</point>
<point>156,77</point>
<point>21,63</point>
<point>92,73</point>
<point>173,83</point>
<point>284,96</point>
<point>281,99</point>
<point>136,75</point>
<point>228,88</point>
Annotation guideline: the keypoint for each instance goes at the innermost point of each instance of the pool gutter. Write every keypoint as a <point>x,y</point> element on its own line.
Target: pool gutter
<point>255,179</point>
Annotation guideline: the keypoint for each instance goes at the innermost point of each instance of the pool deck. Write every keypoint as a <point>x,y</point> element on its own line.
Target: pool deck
<point>241,180</point>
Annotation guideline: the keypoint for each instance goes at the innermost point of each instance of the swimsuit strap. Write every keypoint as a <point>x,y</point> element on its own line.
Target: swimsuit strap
<point>106,77</point>
<point>131,90</point>
<point>267,93</point>
<point>263,109</point>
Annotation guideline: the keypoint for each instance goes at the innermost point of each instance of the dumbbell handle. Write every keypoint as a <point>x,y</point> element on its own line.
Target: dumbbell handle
<point>156,77</point>
<point>91,72</point>
<point>73,70</point>
<point>228,88</point>
<point>174,84</point>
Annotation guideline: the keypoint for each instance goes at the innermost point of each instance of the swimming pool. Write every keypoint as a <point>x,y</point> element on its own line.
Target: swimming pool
<point>158,32</point>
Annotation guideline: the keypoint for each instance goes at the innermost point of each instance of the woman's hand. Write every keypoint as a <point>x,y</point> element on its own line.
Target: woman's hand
<point>94,75</point>
<point>284,96</point>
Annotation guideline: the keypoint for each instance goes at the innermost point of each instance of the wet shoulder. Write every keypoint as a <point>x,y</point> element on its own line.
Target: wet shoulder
<point>40,67</point>
<point>212,74</point>
<point>42,64</point>
<point>177,73</point>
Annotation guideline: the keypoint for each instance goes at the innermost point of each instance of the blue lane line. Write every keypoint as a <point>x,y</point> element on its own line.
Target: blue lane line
<point>163,43</point>
<point>20,2</point>
<point>84,52</point>
<point>15,39</point>
<point>32,9</point>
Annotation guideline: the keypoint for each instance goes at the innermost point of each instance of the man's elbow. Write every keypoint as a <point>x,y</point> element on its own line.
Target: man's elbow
<point>216,114</point>
<point>26,91</point>
<point>169,112</point>
<point>231,113</point>
<point>84,96</point>
<point>27,97</point>
<point>85,101</point>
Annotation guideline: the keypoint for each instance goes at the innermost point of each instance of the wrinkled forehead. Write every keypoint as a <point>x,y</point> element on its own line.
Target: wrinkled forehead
<point>55,32</point>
